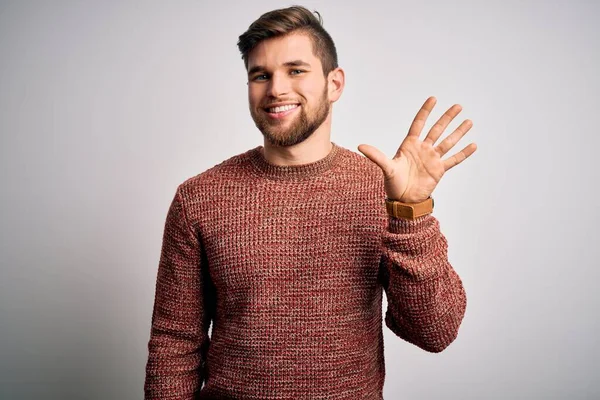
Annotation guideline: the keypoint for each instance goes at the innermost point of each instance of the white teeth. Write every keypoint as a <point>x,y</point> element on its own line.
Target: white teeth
<point>282,108</point>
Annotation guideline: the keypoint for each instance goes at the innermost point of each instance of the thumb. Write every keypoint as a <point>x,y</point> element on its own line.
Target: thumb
<point>375,155</point>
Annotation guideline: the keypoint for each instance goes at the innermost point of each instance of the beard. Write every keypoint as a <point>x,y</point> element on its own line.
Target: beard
<point>300,129</point>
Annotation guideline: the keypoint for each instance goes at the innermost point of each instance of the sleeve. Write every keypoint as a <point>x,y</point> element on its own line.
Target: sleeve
<point>426,298</point>
<point>181,316</point>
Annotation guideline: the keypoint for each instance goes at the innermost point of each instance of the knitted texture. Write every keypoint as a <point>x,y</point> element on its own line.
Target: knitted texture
<point>289,263</point>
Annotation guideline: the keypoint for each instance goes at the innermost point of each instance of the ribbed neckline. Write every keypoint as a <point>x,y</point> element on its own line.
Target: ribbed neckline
<point>282,172</point>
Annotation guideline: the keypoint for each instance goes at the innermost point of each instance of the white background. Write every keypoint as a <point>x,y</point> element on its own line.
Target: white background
<point>105,107</point>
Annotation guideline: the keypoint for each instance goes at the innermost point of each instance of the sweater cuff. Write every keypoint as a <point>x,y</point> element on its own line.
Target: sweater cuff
<point>412,237</point>
<point>403,225</point>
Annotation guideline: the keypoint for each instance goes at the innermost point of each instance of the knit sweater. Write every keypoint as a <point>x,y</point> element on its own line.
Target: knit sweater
<point>289,264</point>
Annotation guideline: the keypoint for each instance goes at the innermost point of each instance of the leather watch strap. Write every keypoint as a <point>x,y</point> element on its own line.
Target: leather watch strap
<point>410,211</point>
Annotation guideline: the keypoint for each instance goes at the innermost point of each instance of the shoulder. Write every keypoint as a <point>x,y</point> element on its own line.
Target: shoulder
<point>231,167</point>
<point>359,175</point>
<point>358,165</point>
<point>232,171</point>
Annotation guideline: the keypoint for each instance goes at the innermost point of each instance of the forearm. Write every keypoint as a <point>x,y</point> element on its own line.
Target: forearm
<point>426,298</point>
<point>175,351</point>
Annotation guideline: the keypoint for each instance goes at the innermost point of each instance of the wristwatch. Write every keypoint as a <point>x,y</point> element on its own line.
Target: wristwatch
<point>410,211</point>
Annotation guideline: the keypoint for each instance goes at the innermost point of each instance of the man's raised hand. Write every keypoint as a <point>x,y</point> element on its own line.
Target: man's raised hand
<point>416,169</point>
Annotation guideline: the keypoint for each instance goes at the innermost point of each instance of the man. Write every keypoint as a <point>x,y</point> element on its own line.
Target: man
<point>287,247</point>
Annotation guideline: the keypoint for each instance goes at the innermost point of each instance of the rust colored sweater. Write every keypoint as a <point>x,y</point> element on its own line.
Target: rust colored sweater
<point>289,263</point>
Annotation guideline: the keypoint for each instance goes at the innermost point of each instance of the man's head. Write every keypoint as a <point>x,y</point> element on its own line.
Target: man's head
<point>285,21</point>
<point>293,75</point>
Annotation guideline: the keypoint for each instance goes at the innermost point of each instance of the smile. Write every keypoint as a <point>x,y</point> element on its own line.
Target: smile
<point>281,111</point>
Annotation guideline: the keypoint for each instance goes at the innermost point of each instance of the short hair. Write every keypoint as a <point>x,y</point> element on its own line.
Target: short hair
<point>284,21</point>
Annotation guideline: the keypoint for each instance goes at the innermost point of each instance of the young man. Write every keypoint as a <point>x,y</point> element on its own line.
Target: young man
<point>287,247</point>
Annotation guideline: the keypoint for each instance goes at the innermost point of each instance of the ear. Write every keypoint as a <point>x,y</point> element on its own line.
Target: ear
<point>335,82</point>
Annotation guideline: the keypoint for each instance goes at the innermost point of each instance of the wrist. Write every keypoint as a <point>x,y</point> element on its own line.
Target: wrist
<point>406,210</point>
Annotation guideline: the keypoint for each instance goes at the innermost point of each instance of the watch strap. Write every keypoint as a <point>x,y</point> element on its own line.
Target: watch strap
<point>410,211</point>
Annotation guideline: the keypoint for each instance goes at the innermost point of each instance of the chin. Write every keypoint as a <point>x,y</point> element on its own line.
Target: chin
<point>285,141</point>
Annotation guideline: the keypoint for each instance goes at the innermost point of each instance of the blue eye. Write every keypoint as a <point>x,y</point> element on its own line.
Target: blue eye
<point>260,77</point>
<point>296,71</point>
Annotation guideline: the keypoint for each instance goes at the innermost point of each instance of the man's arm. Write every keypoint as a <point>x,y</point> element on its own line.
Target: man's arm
<point>426,298</point>
<point>181,315</point>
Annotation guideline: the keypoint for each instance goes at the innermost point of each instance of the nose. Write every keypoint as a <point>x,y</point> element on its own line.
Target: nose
<point>278,86</point>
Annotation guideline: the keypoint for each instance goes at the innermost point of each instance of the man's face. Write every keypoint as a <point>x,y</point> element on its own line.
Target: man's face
<point>287,91</point>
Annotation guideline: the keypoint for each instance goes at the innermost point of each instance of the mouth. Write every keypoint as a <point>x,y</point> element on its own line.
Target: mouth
<point>280,111</point>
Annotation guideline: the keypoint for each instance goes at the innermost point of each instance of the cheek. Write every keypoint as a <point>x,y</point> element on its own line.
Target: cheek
<point>313,91</point>
<point>253,97</point>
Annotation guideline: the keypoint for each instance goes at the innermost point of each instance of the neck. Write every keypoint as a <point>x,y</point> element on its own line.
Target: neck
<point>315,148</point>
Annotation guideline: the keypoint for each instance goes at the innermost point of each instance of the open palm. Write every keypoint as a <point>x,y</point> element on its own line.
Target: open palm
<point>416,169</point>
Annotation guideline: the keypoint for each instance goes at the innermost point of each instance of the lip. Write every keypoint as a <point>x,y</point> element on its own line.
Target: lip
<point>281,115</point>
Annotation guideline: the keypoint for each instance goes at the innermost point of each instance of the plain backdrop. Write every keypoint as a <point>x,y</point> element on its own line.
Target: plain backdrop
<point>105,107</point>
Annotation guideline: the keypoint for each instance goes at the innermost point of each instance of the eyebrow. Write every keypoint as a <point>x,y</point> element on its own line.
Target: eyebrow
<point>295,63</point>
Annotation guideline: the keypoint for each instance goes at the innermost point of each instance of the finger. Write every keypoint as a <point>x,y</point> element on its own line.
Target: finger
<point>419,122</point>
<point>460,156</point>
<point>377,157</point>
<point>448,143</point>
<point>438,128</point>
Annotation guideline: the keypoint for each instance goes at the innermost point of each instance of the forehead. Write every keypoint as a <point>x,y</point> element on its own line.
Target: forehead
<point>275,52</point>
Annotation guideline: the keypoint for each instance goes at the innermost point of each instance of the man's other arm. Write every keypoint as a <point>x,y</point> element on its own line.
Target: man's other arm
<point>181,315</point>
